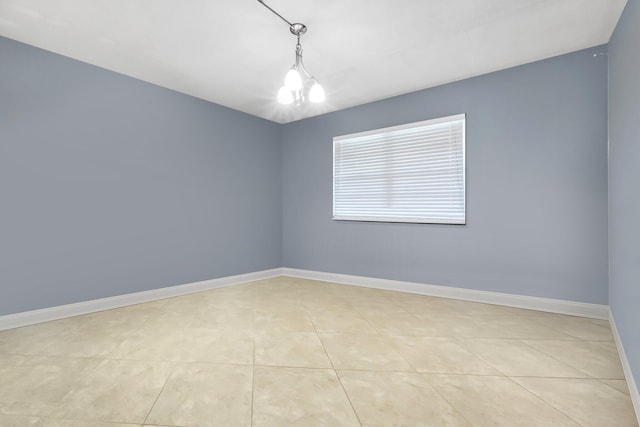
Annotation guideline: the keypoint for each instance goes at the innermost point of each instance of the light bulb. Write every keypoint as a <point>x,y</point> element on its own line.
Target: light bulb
<point>292,80</point>
<point>285,96</point>
<point>316,94</point>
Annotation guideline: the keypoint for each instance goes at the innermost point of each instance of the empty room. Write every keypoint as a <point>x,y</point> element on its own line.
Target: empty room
<point>319,213</point>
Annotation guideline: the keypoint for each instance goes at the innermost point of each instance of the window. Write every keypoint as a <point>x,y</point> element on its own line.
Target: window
<point>408,173</point>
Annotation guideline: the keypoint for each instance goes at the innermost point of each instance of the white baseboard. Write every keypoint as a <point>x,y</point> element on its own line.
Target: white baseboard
<point>596,311</point>
<point>628,374</point>
<point>54,313</point>
<point>534,303</point>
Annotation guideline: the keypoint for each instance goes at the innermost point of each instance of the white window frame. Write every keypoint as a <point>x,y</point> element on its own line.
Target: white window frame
<point>388,130</point>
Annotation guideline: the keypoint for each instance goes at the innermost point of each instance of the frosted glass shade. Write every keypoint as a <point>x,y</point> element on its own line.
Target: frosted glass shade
<point>292,80</point>
<point>285,96</point>
<point>316,94</point>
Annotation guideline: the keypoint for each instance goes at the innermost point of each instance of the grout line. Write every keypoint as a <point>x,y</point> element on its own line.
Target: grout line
<point>602,380</point>
<point>543,400</point>
<point>173,366</point>
<point>426,380</point>
<point>183,362</point>
<point>497,375</point>
<point>344,390</point>
<point>91,420</point>
<point>46,356</point>
<point>556,359</point>
<point>253,373</point>
<point>589,378</point>
<point>78,380</point>
<point>395,347</point>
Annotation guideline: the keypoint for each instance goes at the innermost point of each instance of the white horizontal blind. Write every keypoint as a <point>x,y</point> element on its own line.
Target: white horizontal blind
<point>407,173</point>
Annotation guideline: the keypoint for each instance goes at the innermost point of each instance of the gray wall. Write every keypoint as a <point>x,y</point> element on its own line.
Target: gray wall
<point>536,187</point>
<point>109,185</point>
<point>624,179</point>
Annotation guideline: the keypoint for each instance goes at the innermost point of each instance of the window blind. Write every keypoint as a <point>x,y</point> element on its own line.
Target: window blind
<point>407,173</point>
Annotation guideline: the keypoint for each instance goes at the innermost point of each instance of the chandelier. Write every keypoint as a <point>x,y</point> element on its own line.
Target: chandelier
<point>299,85</point>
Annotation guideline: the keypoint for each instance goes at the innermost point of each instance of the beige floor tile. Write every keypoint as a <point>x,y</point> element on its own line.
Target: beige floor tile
<point>294,349</point>
<point>124,319</point>
<point>276,291</point>
<point>510,326</point>
<point>18,421</point>
<point>515,358</point>
<point>205,395</point>
<point>117,391</point>
<point>441,355</point>
<point>620,385</point>
<point>274,296</point>
<point>34,385</point>
<point>229,300</point>
<point>84,343</point>
<point>274,305</point>
<point>412,303</point>
<point>168,318</point>
<point>587,401</point>
<point>300,397</point>
<point>375,305</point>
<point>189,345</point>
<point>399,324</point>
<point>311,300</point>
<point>52,422</point>
<point>32,340</point>
<point>579,327</point>
<point>397,398</point>
<point>496,401</point>
<point>185,304</point>
<point>292,320</point>
<point>8,362</point>
<point>452,324</point>
<point>455,306</point>
<point>340,321</point>
<point>597,359</point>
<point>361,293</point>
<point>368,352</point>
<point>229,318</point>
<point>275,320</point>
<point>524,312</point>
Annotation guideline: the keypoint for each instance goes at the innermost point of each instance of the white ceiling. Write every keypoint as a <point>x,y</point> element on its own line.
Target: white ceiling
<point>236,52</point>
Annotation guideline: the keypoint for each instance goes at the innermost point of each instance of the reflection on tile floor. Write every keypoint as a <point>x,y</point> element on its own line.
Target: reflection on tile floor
<point>295,352</point>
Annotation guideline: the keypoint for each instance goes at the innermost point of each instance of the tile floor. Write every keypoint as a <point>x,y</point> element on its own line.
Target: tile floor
<point>293,352</point>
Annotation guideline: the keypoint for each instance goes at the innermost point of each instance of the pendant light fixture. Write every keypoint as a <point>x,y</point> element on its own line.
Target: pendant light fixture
<point>299,85</point>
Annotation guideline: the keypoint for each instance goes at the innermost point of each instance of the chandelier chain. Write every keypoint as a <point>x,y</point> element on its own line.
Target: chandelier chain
<point>275,13</point>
